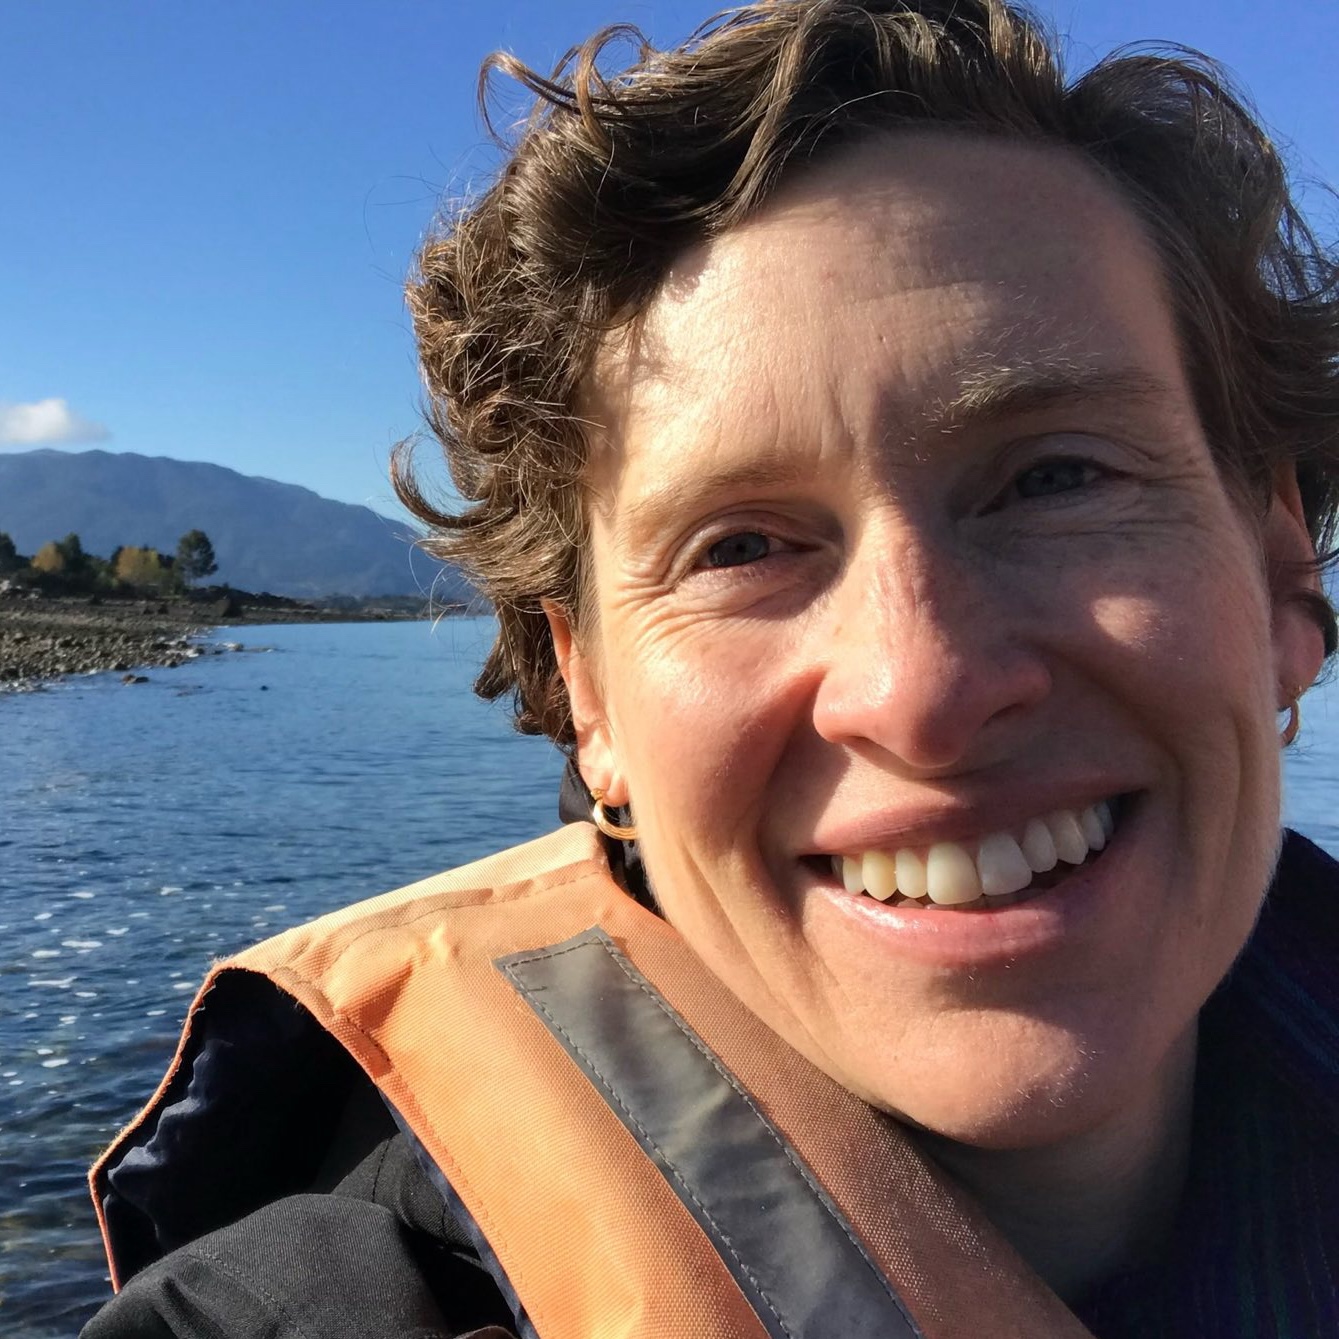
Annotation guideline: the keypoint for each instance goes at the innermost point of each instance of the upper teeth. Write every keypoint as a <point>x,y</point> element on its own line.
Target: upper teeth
<point>953,873</point>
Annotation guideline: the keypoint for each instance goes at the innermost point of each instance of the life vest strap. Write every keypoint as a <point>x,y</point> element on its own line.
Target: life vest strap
<point>794,1256</point>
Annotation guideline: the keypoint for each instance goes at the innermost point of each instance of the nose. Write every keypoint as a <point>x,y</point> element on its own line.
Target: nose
<point>932,656</point>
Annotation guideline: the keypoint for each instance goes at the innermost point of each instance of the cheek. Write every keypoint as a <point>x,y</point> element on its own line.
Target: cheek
<point>707,736</point>
<point>703,722</point>
<point>1188,636</point>
<point>1189,660</point>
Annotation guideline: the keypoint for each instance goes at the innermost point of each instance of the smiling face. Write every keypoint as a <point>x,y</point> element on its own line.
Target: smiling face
<point>904,535</point>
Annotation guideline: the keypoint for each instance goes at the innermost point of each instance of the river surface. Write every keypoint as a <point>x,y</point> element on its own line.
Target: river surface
<point>146,830</point>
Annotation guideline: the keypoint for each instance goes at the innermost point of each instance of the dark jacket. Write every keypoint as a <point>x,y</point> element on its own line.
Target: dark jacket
<point>377,1254</point>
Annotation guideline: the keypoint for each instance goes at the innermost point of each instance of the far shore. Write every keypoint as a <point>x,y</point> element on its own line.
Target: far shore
<point>45,637</point>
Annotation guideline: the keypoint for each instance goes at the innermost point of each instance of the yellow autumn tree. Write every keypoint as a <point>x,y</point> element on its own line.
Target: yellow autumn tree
<point>142,567</point>
<point>49,558</point>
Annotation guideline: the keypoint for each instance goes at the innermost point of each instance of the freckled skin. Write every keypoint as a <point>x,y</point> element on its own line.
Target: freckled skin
<point>932,623</point>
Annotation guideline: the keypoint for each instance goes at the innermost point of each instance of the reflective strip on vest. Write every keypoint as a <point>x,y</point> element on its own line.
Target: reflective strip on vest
<point>799,1263</point>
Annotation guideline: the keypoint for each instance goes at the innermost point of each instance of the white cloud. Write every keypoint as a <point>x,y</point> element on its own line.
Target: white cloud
<point>46,423</point>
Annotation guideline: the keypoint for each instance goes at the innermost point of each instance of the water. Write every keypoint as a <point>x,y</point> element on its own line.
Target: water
<point>146,830</point>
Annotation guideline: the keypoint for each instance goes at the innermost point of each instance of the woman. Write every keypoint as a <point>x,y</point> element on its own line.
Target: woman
<point>899,478</point>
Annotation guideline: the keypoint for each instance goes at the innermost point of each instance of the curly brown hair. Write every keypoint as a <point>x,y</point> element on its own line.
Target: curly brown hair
<point>613,176</point>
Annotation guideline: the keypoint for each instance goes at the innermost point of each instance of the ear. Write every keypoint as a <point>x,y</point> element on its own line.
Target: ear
<point>1299,644</point>
<point>597,754</point>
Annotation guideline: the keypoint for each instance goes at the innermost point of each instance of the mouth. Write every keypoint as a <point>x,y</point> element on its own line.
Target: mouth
<point>997,869</point>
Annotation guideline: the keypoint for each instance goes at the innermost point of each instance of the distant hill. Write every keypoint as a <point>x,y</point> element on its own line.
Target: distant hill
<point>267,536</point>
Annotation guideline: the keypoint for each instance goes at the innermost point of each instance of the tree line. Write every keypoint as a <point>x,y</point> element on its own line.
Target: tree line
<point>64,565</point>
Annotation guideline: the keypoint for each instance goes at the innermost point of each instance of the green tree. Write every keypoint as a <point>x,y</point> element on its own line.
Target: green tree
<point>72,551</point>
<point>195,557</point>
<point>10,559</point>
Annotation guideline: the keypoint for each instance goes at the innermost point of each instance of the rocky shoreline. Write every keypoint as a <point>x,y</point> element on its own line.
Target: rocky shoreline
<point>44,638</point>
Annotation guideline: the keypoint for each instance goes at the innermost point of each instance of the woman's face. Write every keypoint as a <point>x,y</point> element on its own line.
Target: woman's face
<point>906,535</point>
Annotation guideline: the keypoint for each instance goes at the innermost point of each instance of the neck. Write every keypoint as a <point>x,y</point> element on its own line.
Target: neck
<point>1079,1210</point>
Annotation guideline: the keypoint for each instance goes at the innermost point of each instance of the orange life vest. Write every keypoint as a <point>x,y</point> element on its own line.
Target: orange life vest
<point>642,1157</point>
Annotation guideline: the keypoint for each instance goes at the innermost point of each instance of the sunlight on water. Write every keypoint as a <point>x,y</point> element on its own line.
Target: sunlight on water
<point>151,829</point>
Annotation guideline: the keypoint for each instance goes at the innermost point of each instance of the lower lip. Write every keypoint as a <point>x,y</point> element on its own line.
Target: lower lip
<point>942,937</point>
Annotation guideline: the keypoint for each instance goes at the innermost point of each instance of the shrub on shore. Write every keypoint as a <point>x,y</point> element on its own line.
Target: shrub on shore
<point>63,567</point>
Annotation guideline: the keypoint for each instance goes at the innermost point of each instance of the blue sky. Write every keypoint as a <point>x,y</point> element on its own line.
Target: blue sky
<point>209,208</point>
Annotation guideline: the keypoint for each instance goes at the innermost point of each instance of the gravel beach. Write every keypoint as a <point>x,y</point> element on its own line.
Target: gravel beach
<point>44,638</point>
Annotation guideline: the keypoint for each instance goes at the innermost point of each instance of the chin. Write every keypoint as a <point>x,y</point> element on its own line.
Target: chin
<point>1012,1122</point>
<point>1042,1090</point>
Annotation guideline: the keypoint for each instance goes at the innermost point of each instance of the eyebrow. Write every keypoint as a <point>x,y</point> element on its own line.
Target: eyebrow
<point>991,392</point>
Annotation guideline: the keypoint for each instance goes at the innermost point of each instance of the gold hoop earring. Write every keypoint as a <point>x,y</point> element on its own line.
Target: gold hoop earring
<point>1290,731</point>
<point>617,831</point>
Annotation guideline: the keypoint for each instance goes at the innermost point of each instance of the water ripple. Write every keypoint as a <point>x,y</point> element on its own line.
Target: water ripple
<point>147,834</point>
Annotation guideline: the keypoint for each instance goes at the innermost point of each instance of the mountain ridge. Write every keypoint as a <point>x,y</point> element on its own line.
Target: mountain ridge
<point>267,535</point>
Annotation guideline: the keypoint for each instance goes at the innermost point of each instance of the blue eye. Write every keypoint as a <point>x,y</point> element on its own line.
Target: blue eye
<point>736,550</point>
<point>1054,476</point>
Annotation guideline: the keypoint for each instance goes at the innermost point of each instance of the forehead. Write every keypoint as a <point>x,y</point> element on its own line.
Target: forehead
<point>885,285</point>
